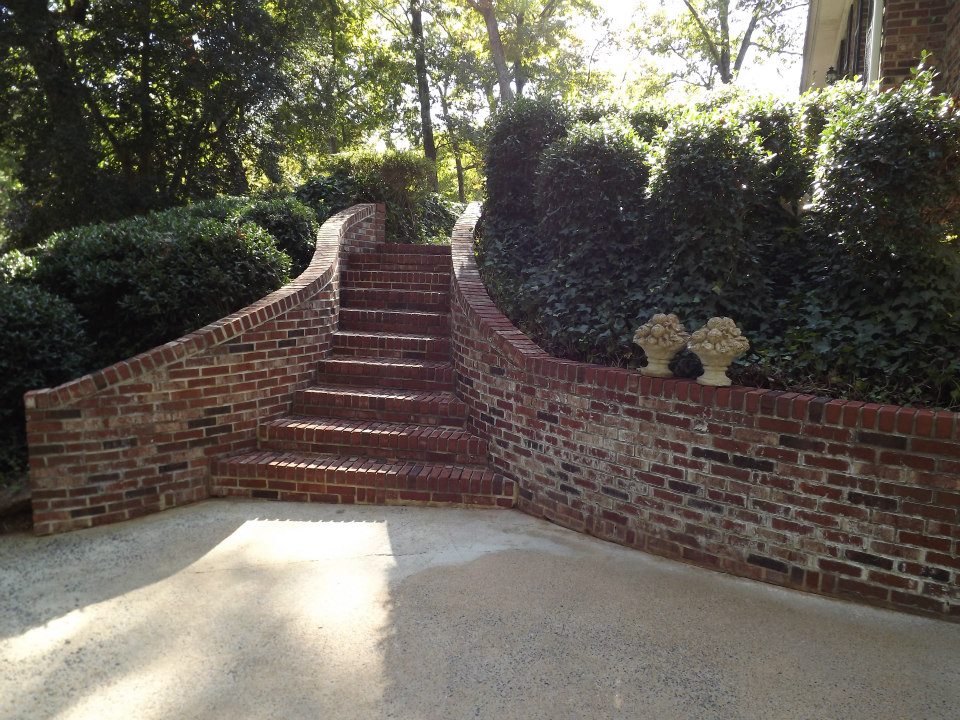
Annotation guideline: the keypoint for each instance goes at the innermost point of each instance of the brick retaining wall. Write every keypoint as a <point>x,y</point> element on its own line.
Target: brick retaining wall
<point>137,437</point>
<point>839,498</point>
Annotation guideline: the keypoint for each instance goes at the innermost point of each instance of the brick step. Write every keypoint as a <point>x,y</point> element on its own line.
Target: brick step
<point>398,261</point>
<point>392,441</point>
<point>387,373</point>
<point>395,299</point>
<point>413,249</point>
<point>336,479</point>
<point>403,321</point>
<point>395,280</point>
<point>391,345</point>
<point>384,405</point>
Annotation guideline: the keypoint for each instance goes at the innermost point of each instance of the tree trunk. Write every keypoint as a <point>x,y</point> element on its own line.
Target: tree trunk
<point>519,72</point>
<point>454,144</point>
<point>489,14</point>
<point>423,89</point>
<point>37,34</point>
<point>147,143</point>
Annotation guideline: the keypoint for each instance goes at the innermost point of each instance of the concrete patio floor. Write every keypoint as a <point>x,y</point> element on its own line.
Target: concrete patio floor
<point>240,609</point>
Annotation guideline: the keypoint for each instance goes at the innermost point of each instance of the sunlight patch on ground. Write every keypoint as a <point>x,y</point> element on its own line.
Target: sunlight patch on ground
<point>239,614</point>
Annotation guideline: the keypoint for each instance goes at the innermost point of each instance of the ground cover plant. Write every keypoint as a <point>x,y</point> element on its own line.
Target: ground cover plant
<point>828,228</point>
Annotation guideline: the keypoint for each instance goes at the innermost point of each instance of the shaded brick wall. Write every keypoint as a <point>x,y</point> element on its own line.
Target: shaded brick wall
<point>839,498</point>
<point>137,437</point>
<point>951,59</point>
<point>910,27</point>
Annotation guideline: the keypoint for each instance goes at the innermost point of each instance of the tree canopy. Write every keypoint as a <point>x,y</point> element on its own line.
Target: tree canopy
<point>110,108</point>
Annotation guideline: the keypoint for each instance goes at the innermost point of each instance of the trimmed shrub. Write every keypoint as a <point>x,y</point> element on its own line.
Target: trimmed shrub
<point>888,175</point>
<point>147,280</point>
<point>709,182</point>
<point>517,136</point>
<point>44,344</point>
<point>292,225</point>
<point>401,180</point>
<point>777,127</point>
<point>648,122</point>
<point>885,261</point>
<point>591,199</point>
<point>590,193</point>
<point>43,339</point>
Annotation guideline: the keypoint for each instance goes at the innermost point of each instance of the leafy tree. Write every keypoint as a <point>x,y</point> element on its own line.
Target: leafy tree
<point>111,108</point>
<point>526,38</point>
<point>708,42</point>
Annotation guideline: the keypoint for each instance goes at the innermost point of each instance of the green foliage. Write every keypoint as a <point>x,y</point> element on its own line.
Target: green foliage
<point>710,187</point>
<point>590,197</point>
<point>401,180</point>
<point>899,151</point>
<point>648,122</point>
<point>149,279</point>
<point>44,344</point>
<point>108,109</point>
<point>858,297</point>
<point>883,227</point>
<point>590,193</point>
<point>777,127</point>
<point>16,266</point>
<point>292,225</point>
<point>517,137</point>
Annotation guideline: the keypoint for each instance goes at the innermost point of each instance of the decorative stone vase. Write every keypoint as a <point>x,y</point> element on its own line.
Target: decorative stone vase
<point>717,344</point>
<point>661,337</point>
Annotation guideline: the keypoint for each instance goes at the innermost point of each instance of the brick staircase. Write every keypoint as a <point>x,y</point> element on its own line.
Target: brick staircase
<point>382,424</point>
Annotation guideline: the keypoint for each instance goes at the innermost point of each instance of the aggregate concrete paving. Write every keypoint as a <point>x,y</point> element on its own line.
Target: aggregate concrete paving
<point>246,609</point>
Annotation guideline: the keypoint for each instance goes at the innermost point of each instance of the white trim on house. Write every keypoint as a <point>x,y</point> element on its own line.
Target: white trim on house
<point>826,29</point>
<point>875,40</point>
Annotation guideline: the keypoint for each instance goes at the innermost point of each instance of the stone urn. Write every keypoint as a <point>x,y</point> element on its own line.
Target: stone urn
<point>661,337</point>
<point>717,344</point>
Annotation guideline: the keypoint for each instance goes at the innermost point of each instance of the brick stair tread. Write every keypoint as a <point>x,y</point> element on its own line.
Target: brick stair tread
<point>413,249</point>
<point>407,373</point>
<point>389,362</point>
<point>388,278</point>
<point>387,298</point>
<point>386,404</point>
<point>370,437</point>
<point>398,263</point>
<point>391,345</point>
<point>340,478</point>
<point>425,337</point>
<point>383,320</point>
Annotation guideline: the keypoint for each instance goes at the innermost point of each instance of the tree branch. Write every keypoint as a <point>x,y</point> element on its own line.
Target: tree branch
<point>714,52</point>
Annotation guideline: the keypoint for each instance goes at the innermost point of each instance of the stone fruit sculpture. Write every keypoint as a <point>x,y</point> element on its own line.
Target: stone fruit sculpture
<point>717,344</point>
<point>661,337</point>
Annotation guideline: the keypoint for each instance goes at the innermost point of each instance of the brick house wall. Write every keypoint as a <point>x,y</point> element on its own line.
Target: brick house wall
<point>138,436</point>
<point>838,498</point>
<point>909,28</point>
<point>951,56</point>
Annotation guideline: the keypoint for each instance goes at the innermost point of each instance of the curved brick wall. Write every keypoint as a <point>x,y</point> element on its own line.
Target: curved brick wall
<point>136,437</point>
<point>839,498</point>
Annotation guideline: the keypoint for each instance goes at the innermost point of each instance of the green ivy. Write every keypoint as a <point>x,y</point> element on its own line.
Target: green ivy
<point>855,293</point>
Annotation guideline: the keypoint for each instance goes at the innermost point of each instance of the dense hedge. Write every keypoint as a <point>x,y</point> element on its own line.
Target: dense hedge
<point>44,343</point>
<point>401,180</point>
<point>97,294</point>
<point>146,280</point>
<point>291,224</point>
<point>828,228</point>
